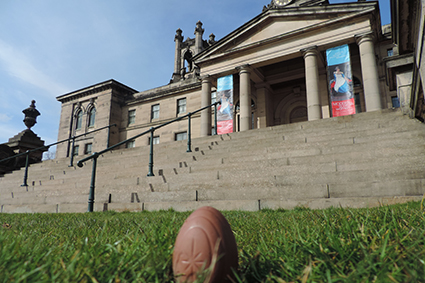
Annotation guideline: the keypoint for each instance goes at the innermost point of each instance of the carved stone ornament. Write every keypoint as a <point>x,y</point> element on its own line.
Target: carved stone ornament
<point>30,115</point>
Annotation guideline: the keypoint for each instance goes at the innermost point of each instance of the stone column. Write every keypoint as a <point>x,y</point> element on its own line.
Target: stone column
<point>369,72</point>
<point>314,111</point>
<point>177,55</point>
<point>199,31</point>
<point>245,97</point>
<point>264,113</point>
<point>205,101</point>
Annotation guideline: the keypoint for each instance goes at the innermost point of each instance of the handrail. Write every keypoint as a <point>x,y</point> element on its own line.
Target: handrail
<point>71,163</point>
<point>47,146</point>
<point>95,155</point>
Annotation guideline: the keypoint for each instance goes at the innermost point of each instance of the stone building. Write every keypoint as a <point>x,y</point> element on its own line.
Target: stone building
<point>286,87</point>
<point>278,64</point>
<point>406,68</point>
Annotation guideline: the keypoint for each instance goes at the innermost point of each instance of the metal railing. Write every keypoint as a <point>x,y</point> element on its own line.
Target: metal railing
<point>96,155</point>
<point>27,153</point>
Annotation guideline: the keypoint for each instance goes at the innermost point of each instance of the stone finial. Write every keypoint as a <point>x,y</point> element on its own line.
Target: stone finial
<point>211,41</point>
<point>199,28</point>
<point>178,36</point>
<point>30,115</point>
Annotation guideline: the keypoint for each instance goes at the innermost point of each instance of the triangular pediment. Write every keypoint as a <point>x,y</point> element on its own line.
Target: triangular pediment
<point>277,24</point>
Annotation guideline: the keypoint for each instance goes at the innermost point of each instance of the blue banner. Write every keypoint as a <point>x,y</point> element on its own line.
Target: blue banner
<point>225,109</point>
<point>340,81</point>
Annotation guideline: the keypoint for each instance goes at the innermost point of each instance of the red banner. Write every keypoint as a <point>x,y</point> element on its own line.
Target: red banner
<point>344,107</point>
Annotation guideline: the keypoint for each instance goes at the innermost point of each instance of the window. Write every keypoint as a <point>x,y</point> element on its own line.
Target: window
<point>395,101</point>
<point>130,144</point>
<point>181,106</point>
<point>92,117</point>
<point>390,52</point>
<point>213,97</point>
<point>131,117</point>
<point>76,149</point>
<point>155,111</point>
<point>155,140</point>
<point>181,136</point>
<point>79,121</point>
<point>87,148</point>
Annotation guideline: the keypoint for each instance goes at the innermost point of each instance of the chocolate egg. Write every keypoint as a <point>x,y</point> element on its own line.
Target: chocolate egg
<point>204,239</point>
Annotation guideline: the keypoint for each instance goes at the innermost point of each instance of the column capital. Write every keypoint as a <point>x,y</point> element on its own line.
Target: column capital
<point>206,79</point>
<point>244,69</point>
<point>360,38</point>
<point>310,51</point>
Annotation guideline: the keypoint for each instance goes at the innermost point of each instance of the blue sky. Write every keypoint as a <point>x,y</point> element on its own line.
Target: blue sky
<point>49,47</point>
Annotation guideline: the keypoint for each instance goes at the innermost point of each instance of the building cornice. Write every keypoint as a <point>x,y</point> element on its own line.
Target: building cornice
<point>97,88</point>
<point>164,91</point>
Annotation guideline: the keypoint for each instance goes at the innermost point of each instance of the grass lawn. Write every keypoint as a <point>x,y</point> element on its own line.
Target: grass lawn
<point>383,244</point>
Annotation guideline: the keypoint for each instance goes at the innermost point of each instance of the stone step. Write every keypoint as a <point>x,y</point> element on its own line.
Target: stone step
<point>223,205</point>
<point>74,198</point>
<point>294,148</point>
<point>49,208</point>
<point>360,121</point>
<point>326,135</point>
<point>54,184</point>
<point>185,205</point>
<point>145,196</point>
<point>347,177</point>
<point>374,154</point>
<point>379,155</point>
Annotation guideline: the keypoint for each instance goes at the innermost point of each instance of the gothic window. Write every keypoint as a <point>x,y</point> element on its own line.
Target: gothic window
<point>79,120</point>
<point>92,117</point>
<point>188,60</point>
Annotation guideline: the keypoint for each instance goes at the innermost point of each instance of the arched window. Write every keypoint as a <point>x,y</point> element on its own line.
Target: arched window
<point>92,116</point>
<point>188,59</point>
<point>79,120</point>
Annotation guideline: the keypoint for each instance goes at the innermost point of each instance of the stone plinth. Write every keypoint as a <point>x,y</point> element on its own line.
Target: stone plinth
<point>27,140</point>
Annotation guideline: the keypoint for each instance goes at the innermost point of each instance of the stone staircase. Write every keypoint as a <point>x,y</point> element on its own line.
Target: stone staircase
<point>362,160</point>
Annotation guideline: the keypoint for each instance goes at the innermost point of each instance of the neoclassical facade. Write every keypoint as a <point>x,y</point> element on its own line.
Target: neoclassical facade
<point>278,64</point>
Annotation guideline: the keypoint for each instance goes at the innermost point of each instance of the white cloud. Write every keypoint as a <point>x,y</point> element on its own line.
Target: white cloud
<point>8,131</point>
<point>19,66</point>
<point>4,117</point>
